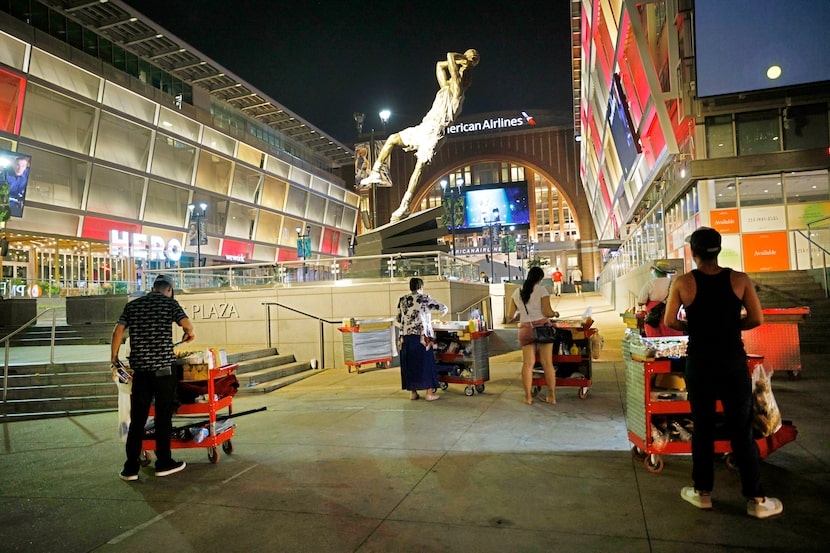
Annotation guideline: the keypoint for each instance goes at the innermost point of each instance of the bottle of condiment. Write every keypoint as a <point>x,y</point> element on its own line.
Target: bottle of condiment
<point>574,349</point>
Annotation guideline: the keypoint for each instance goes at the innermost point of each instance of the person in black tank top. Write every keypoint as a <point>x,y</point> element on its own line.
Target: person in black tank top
<point>713,298</point>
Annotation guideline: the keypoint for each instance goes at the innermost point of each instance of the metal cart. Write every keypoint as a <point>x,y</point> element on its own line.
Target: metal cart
<point>571,370</point>
<point>211,408</point>
<point>643,405</point>
<point>463,358</point>
<point>368,342</point>
<point>777,339</point>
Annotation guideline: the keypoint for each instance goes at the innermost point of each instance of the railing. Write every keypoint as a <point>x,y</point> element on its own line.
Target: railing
<point>7,340</point>
<point>321,343</point>
<point>818,230</point>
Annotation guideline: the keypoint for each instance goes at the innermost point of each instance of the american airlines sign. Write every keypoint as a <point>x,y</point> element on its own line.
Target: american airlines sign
<point>491,124</point>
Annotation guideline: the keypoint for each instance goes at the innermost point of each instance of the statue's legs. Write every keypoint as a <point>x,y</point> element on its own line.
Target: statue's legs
<point>403,210</point>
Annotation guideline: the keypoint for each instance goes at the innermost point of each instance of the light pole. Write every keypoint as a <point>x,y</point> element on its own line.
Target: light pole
<point>384,117</point>
<point>198,216</point>
<point>454,193</point>
<point>303,243</point>
<point>493,231</point>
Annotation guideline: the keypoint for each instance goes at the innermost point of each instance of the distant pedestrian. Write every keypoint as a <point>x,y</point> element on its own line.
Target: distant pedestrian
<point>557,281</point>
<point>576,277</point>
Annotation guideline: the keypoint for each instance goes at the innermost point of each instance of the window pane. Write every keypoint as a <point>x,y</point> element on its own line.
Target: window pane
<point>175,123</point>
<point>241,221</point>
<point>719,142</point>
<point>805,127</point>
<point>217,212</point>
<point>173,159</point>
<point>334,214</point>
<point>297,199</point>
<point>115,193</point>
<point>316,207</point>
<point>273,194</point>
<point>246,184</point>
<point>218,141</point>
<point>268,227</point>
<point>765,190</point>
<point>55,179</point>
<point>214,173</point>
<point>58,120</point>
<point>807,187</point>
<point>757,132</point>
<point>726,194</point>
<point>128,102</point>
<point>166,204</point>
<point>123,142</point>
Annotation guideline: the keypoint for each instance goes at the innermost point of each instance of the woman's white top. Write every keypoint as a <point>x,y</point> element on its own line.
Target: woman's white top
<point>534,304</point>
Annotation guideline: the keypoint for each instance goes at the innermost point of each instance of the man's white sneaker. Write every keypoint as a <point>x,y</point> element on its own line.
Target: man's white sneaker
<point>692,496</point>
<point>373,178</point>
<point>770,506</point>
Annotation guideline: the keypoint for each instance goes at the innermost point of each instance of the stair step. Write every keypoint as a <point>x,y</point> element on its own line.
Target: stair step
<point>252,378</point>
<point>271,385</point>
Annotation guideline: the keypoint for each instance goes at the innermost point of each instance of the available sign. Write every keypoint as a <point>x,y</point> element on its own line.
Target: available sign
<point>766,252</point>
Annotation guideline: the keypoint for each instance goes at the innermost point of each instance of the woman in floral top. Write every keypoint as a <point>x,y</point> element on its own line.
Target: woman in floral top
<point>417,339</point>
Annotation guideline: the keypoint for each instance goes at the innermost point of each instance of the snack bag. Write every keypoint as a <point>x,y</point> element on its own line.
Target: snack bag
<point>766,418</point>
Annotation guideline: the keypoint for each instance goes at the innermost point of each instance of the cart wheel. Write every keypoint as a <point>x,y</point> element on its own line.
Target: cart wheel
<point>654,464</point>
<point>213,455</point>
<point>469,390</point>
<point>534,390</point>
<point>480,388</point>
<point>638,454</point>
<point>444,386</point>
<point>583,392</point>
<point>730,461</point>
<point>145,459</point>
<point>227,447</point>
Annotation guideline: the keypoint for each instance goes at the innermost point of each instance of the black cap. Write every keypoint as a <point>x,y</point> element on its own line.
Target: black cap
<point>164,279</point>
<point>705,240</point>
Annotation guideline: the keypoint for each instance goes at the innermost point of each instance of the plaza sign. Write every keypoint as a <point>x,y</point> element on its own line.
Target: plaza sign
<point>141,246</point>
<point>491,124</point>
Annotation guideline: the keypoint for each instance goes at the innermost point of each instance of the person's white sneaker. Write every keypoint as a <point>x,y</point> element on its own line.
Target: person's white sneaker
<point>692,496</point>
<point>770,506</point>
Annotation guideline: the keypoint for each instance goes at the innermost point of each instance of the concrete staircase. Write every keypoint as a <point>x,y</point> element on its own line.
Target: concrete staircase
<point>37,391</point>
<point>65,335</point>
<point>797,289</point>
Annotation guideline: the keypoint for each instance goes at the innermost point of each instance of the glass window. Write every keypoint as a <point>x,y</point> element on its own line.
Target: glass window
<point>300,176</point>
<point>812,186</point>
<point>349,219</point>
<point>726,193</point>
<point>288,233</point>
<point>114,192</point>
<point>129,103</point>
<point>268,227</point>
<point>56,119</point>
<point>12,51</point>
<point>249,155</point>
<point>246,184</point>
<point>337,193</point>
<point>216,213</point>
<point>218,141</point>
<point>273,193</point>
<point>316,207</point>
<point>55,179</point>
<point>277,166</point>
<point>719,137</point>
<point>173,159</point>
<point>319,185</point>
<point>166,204</point>
<point>805,127</point>
<point>65,75</point>
<point>214,173</point>
<point>123,142</point>
<point>758,132</point>
<point>9,100</point>
<point>176,123</point>
<point>297,200</point>
<point>486,173</point>
<point>334,214</point>
<point>41,222</point>
<point>241,220</point>
<point>763,190</point>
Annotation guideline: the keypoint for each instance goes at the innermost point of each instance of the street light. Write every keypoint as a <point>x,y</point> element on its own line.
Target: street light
<point>454,194</point>
<point>384,117</point>
<point>493,231</point>
<point>198,217</point>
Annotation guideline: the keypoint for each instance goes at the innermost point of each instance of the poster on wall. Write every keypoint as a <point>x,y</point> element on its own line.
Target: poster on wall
<point>766,251</point>
<point>14,179</point>
<point>799,215</point>
<point>725,221</point>
<point>730,253</point>
<point>759,219</point>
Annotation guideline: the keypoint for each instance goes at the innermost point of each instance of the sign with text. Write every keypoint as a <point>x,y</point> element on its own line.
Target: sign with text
<point>763,219</point>
<point>725,221</point>
<point>766,252</point>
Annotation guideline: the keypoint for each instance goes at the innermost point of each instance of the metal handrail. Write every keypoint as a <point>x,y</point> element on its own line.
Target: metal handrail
<point>322,347</point>
<point>824,254</point>
<point>6,340</point>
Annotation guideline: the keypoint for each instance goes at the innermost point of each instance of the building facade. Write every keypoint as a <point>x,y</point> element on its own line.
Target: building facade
<point>124,126</point>
<point>686,120</point>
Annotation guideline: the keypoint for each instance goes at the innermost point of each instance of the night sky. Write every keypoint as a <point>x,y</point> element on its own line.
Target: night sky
<point>325,60</point>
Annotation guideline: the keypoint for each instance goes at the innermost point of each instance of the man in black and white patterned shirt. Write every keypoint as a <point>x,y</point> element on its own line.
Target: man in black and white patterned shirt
<point>150,319</point>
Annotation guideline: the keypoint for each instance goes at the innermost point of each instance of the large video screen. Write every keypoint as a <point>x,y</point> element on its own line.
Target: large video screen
<point>745,45</point>
<point>505,203</point>
<point>14,178</point>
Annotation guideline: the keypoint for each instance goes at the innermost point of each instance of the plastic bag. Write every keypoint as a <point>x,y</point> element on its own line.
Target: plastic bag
<point>124,404</point>
<point>766,418</point>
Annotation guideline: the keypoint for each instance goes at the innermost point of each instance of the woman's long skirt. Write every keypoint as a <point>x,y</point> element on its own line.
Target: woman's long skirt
<point>417,364</point>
